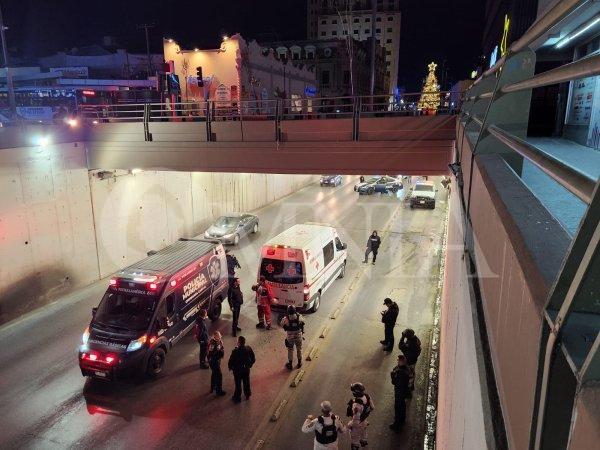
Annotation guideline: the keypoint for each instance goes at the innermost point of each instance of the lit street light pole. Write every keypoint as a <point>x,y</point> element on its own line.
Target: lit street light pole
<point>9,81</point>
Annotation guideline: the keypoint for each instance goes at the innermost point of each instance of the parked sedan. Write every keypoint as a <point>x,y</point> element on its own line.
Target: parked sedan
<point>331,180</point>
<point>383,185</point>
<point>367,181</point>
<point>229,229</point>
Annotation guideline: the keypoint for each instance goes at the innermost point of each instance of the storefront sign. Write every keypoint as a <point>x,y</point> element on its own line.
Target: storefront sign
<point>582,98</point>
<point>71,72</point>
<point>35,112</point>
<point>310,91</point>
<point>222,96</point>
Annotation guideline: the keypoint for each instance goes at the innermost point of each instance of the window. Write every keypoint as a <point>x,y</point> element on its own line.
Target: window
<point>334,22</point>
<point>323,33</point>
<point>356,20</point>
<point>390,18</point>
<point>378,19</point>
<point>346,77</point>
<point>388,41</point>
<point>367,31</point>
<point>328,253</point>
<point>355,31</point>
<point>122,310</point>
<point>388,52</point>
<point>345,33</point>
<point>367,19</point>
<point>279,271</point>
<point>170,301</point>
<point>389,30</point>
<point>338,244</point>
<point>325,78</point>
<point>310,55</point>
<point>323,22</point>
<point>378,30</point>
<point>334,33</point>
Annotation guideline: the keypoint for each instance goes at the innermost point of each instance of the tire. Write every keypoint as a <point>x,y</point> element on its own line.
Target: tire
<point>156,363</point>
<point>236,239</point>
<point>370,191</point>
<point>433,206</point>
<point>343,271</point>
<point>214,311</point>
<point>255,228</point>
<point>316,303</point>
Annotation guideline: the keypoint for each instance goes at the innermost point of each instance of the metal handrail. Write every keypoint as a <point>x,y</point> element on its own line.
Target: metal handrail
<point>566,176</point>
<point>581,68</point>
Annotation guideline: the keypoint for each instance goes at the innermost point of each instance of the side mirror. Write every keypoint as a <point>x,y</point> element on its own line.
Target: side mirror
<point>344,246</point>
<point>94,311</point>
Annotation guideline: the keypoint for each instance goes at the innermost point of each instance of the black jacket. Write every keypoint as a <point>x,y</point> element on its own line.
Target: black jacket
<point>241,359</point>
<point>236,297</point>
<point>232,264</point>
<point>411,348</point>
<point>400,379</point>
<point>215,351</point>
<point>391,314</point>
<point>373,243</point>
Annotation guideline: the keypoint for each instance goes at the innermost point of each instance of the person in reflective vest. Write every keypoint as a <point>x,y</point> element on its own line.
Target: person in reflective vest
<point>264,299</point>
<point>293,324</point>
<point>359,408</point>
<point>327,428</point>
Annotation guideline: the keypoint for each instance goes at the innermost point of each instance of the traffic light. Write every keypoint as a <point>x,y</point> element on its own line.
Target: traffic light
<point>199,76</point>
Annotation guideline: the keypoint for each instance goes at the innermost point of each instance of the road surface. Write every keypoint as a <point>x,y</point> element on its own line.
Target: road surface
<point>46,403</point>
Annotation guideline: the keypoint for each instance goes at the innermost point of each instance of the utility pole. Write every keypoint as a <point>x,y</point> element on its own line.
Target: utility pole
<point>9,81</point>
<point>373,44</point>
<point>145,27</point>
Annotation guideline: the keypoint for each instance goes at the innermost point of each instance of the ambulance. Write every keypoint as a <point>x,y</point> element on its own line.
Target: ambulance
<point>301,263</point>
<point>149,306</point>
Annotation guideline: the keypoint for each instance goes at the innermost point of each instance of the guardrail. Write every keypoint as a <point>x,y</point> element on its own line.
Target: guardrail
<point>495,115</point>
<point>275,110</point>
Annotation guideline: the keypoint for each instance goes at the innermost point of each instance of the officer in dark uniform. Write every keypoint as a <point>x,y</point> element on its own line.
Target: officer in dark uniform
<point>400,378</point>
<point>373,244</point>
<point>232,264</point>
<point>293,324</point>
<point>388,317</point>
<point>236,300</point>
<point>410,345</point>
<point>215,354</point>
<point>201,333</point>
<point>240,362</point>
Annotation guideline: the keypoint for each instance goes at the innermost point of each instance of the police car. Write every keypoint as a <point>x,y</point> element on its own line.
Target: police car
<point>150,305</point>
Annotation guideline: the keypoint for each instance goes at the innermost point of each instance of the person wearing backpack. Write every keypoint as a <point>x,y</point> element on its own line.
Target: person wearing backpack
<point>410,346</point>
<point>359,408</point>
<point>327,428</point>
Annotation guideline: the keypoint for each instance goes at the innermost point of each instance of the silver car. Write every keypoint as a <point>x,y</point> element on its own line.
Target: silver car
<point>230,228</point>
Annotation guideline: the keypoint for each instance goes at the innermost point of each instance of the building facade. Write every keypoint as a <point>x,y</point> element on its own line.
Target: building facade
<point>238,71</point>
<point>337,74</point>
<point>336,19</point>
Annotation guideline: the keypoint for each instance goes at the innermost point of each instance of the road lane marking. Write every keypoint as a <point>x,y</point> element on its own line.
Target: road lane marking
<point>297,379</point>
<point>312,353</point>
<point>278,410</point>
<point>335,313</point>
<point>324,332</point>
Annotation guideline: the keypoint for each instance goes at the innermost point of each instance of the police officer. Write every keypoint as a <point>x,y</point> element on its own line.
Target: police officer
<point>293,324</point>
<point>388,317</point>
<point>232,264</point>
<point>326,427</point>
<point>400,378</point>
<point>201,333</point>
<point>240,362</point>
<point>410,345</point>
<point>359,408</point>
<point>264,299</point>
<point>236,299</point>
<point>216,351</point>
<point>373,244</point>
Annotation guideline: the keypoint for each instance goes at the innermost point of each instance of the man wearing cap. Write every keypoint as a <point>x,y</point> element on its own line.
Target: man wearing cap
<point>388,317</point>
<point>326,427</point>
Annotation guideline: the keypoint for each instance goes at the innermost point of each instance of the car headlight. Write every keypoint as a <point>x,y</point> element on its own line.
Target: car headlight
<point>136,344</point>
<point>228,236</point>
<point>85,336</point>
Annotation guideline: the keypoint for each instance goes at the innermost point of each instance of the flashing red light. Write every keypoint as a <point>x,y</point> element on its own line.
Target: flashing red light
<point>110,359</point>
<point>88,93</point>
<point>173,283</point>
<point>92,357</point>
<point>152,339</point>
<point>113,282</point>
<point>270,251</point>
<point>152,286</point>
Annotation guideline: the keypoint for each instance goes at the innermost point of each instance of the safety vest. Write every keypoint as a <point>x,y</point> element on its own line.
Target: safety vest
<point>294,325</point>
<point>328,433</point>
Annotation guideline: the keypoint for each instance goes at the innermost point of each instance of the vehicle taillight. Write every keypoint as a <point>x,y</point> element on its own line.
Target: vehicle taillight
<point>152,340</point>
<point>93,357</point>
<point>152,286</point>
<point>110,359</point>
<point>113,282</point>
<point>173,283</point>
<point>306,292</point>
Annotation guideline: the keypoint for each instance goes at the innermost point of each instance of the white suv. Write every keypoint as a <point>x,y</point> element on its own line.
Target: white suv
<point>423,195</point>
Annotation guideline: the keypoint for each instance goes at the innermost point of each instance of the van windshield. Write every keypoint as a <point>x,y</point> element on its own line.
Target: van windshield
<point>424,187</point>
<point>125,311</point>
<point>279,271</point>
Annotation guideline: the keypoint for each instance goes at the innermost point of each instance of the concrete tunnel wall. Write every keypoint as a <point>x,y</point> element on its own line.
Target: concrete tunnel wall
<point>61,227</point>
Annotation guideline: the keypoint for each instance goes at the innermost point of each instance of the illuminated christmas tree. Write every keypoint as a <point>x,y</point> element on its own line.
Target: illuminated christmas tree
<point>430,97</point>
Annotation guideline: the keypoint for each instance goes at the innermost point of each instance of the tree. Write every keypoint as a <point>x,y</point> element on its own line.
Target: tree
<point>430,97</point>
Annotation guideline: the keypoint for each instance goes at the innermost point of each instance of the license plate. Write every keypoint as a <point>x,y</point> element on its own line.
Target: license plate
<point>101,374</point>
<point>422,202</point>
<point>287,301</point>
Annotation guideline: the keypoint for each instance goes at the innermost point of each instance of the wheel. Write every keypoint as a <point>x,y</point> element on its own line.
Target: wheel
<point>343,271</point>
<point>255,228</point>
<point>214,312</point>
<point>433,206</point>
<point>156,363</point>
<point>370,191</point>
<point>316,303</point>
<point>236,239</point>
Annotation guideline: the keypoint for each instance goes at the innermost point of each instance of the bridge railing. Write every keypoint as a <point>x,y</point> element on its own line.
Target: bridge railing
<point>492,128</point>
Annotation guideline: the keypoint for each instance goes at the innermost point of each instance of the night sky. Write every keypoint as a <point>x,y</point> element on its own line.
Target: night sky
<point>431,29</point>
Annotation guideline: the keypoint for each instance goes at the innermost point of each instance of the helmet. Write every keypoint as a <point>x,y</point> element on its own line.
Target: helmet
<point>408,332</point>
<point>357,389</point>
<point>291,310</point>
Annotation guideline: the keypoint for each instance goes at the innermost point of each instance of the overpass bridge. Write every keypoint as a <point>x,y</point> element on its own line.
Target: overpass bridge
<point>360,135</point>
